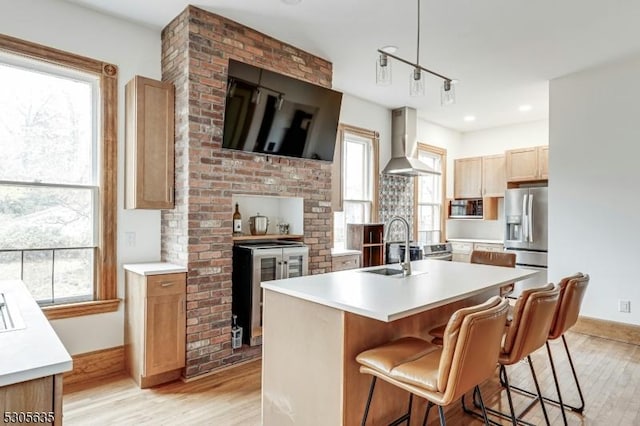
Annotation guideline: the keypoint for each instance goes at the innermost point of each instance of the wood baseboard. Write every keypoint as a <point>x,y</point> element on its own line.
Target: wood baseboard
<point>621,332</point>
<point>219,370</point>
<point>94,365</point>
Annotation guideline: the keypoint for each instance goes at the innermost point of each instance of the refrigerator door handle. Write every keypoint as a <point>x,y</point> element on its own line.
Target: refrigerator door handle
<point>525,220</point>
<point>530,218</point>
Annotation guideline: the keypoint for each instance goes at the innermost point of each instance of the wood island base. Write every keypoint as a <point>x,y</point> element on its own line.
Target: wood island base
<point>309,372</point>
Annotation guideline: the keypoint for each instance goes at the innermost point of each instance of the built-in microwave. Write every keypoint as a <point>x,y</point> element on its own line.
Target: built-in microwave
<point>466,209</point>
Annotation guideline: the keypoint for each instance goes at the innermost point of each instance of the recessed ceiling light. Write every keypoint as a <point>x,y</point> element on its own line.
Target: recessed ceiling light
<point>524,108</point>
<point>470,118</point>
<point>291,2</point>
<point>389,49</point>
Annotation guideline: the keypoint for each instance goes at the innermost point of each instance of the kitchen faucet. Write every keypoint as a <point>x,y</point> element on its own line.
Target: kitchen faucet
<point>406,265</point>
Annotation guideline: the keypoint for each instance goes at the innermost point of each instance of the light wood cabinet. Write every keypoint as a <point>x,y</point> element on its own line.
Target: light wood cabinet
<point>461,250</point>
<point>494,179</point>
<point>155,327</point>
<point>368,238</point>
<point>149,139</point>
<point>41,398</point>
<point>527,164</point>
<point>344,262</point>
<point>488,247</point>
<point>543,162</point>
<point>467,178</point>
<point>479,177</point>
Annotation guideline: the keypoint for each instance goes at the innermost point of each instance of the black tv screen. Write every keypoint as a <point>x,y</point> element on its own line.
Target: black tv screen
<point>273,114</point>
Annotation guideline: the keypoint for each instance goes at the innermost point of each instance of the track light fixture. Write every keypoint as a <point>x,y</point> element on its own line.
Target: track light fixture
<point>417,77</point>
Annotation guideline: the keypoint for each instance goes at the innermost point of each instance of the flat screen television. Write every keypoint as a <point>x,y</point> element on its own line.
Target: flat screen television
<point>269,113</point>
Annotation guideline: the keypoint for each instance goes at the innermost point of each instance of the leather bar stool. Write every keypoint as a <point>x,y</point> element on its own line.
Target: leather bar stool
<point>572,291</point>
<point>443,374</point>
<point>533,316</point>
<point>484,258</point>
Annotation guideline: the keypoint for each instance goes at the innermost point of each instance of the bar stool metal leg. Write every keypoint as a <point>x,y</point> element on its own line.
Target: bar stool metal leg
<point>575,378</point>
<point>443,422</point>
<point>555,380</point>
<point>535,380</point>
<point>484,411</point>
<point>503,372</point>
<point>366,410</point>
<point>578,409</point>
<point>405,417</point>
<point>426,413</point>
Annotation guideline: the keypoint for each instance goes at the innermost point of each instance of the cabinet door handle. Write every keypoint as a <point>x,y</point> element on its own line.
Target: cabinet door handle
<point>166,284</point>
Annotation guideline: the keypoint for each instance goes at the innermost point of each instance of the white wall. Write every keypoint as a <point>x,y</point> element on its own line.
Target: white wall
<point>135,50</point>
<point>442,137</point>
<point>499,139</point>
<point>367,115</point>
<point>593,196</point>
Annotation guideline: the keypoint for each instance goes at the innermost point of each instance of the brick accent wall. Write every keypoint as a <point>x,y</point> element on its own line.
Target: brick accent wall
<point>196,48</point>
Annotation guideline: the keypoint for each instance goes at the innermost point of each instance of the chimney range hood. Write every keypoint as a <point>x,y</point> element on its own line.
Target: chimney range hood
<point>404,131</point>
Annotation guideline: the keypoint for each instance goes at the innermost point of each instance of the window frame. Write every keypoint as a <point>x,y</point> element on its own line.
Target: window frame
<point>443,222</point>
<point>105,298</point>
<point>339,163</point>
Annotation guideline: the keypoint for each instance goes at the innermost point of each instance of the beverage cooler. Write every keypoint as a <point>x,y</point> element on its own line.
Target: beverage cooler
<point>253,263</point>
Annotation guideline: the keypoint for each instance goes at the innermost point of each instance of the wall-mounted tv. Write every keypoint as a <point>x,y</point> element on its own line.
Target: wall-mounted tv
<point>269,113</point>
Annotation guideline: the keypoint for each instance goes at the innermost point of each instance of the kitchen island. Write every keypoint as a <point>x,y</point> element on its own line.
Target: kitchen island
<point>32,360</point>
<point>314,326</point>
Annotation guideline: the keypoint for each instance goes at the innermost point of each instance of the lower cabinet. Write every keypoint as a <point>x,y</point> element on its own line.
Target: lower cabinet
<point>461,251</point>
<point>37,401</point>
<point>155,327</point>
<point>345,262</point>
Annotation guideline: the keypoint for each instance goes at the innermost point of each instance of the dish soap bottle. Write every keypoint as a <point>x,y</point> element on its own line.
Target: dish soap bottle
<point>236,334</point>
<point>237,222</point>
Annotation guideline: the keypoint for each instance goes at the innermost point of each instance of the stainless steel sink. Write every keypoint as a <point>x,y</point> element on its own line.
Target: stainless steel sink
<point>385,271</point>
<point>10,318</point>
<point>391,272</point>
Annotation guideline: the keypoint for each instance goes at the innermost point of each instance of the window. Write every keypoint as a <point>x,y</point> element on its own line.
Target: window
<point>57,184</point>
<point>359,180</point>
<point>430,195</point>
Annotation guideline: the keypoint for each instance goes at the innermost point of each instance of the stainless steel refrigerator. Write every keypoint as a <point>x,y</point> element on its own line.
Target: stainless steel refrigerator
<point>526,225</point>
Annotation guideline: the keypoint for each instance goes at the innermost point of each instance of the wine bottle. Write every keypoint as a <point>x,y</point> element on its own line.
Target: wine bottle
<point>236,334</point>
<point>237,222</point>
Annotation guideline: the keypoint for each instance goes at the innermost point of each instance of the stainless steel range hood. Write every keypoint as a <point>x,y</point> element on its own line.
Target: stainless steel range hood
<point>404,131</point>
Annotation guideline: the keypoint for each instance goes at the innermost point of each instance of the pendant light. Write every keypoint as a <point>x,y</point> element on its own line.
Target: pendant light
<point>417,82</point>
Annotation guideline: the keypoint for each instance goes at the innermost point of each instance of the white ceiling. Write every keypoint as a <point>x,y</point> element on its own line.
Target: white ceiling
<point>504,52</point>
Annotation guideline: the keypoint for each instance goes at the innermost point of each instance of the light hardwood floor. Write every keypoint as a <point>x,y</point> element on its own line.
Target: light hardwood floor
<point>609,372</point>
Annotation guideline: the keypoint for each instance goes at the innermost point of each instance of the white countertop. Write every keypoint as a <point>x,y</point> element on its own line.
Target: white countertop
<point>475,240</point>
<point>154,268</point>
<point>388,298</point>
<point>34,351</point>
<point>344,252</point>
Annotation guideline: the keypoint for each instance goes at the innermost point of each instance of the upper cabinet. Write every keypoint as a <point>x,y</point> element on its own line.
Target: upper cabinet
<point>494,181</point>
<point>479,177</point>
<point>149,139</point>
<point>527,164</point>
<point>543,162</point>
<point>467,178</point>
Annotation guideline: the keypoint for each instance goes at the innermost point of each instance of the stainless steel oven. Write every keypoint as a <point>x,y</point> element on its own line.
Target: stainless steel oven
<point>442,251</point>
<point>256,262</point>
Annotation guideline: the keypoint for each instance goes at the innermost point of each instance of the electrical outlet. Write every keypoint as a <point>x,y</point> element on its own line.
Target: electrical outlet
<point>130,237</point>
<point>624,306</point>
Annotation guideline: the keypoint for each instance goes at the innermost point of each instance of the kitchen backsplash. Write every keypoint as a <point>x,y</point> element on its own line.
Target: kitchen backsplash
<point>396,199</point>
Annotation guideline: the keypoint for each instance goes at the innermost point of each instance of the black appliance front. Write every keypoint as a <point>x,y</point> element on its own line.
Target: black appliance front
<point>395,252</point>
<point>257,262</point>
